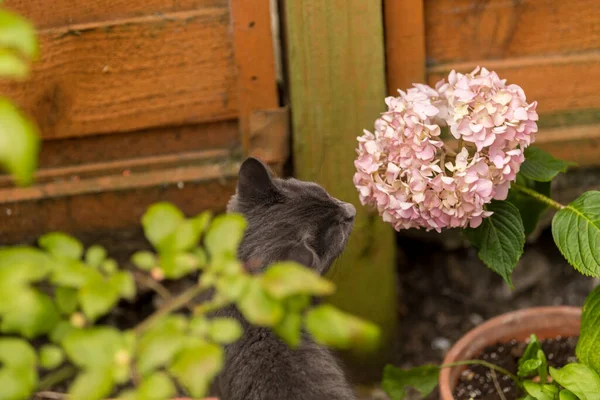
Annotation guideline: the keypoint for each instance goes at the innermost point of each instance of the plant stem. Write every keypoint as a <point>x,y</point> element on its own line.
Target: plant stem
<point>57,376</point>
<point>497,385</point>
<point>538,196</point>
<point>485,364</point>
<point>172,305</point>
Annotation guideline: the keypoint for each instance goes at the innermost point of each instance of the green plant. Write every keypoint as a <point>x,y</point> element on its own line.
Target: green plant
<point>19,139</point>
<point>535,380</point>
<point>57,295</point>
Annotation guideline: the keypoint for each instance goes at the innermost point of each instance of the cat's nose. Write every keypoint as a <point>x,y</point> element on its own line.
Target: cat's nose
<point>350,210</point>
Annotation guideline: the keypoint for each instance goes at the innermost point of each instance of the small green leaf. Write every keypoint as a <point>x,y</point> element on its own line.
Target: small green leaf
<point>73,274</point>
<point>423,379</point>
<point>183,238</point>
<point>60,331</point>
<point>61,245</point>
<point>199,326</point>
<point>19,141</point>
<point>51,356</point>
<point>288,278</point>
<point>94,384</point>
<point>124,283</point>
<point>12,66</point>
<point>289,329</point>
<point>95,256</point>
<point>332,327</point>
<point>161,220</point>
<point>533,362</point>
<point>20,264</point>
<point>109,266</point>
<point>225,234</point>
<point>157,386</point>
<point>196,365</point>
<point>297,303</point>
<point>145,260</point>
<point>234,286</point>
<point>66,299</point>
<point>93,348</point>
<point>500,239</point>
<point>159,345</point>
<point>18,33</point>
<point>540,391</point>
<point>579,379</point>
<point>97,297</point>
<point>258,307</point>
<point>178,265</point>
<point>224,330</point>
<point>18,376</point>
<point>541,166</point>
<point>576,231</point>
<point>530,209</point>
<point>16,353</point>
<point>588,345</point>
<point>566,395</point>
<point>29,314</point>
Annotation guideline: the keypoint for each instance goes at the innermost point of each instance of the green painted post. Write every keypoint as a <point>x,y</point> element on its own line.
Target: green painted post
<point>336,68</point>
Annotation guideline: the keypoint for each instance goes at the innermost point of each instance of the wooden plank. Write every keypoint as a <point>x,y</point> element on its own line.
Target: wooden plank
<point>461,30</point>
<point>558,83</point>
<point>404,44</point>
<point>335,57</point>
<point>580,144</point>
<point>255,61</point>
<point>133,74</point>
<point>65,12</point>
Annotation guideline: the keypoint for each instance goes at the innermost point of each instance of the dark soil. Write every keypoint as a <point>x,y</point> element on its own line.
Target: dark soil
<point>480,383</point>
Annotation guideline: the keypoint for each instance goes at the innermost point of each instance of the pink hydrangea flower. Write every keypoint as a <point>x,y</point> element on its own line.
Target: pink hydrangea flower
<point>416,181</point>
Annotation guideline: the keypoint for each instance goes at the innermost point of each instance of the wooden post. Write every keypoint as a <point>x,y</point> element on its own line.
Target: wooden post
<point>336,75</point>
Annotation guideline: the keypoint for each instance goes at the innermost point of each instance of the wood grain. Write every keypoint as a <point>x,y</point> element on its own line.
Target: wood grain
<point>580,144</point>
<point>404,44</point>
<point>132,74</point>
<point>55,13</point>
<point>337,86</point>
<point>557,83</point>
<point>461,30</point>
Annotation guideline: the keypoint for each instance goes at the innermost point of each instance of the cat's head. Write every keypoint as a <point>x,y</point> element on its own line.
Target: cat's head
<point>289,219</point>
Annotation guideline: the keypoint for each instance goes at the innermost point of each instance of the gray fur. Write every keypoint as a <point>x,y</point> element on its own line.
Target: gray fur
<point>287,220</point>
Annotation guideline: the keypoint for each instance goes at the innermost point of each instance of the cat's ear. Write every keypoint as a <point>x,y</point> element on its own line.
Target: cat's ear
<point>302,254</point>
<point>254,180</point>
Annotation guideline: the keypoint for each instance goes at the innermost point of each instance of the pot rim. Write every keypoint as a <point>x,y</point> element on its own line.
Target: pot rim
<point>482,330</point>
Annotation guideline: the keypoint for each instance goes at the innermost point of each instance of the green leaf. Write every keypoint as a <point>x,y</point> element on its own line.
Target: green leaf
<point>332,327</point>
<point>61,245</point>
<point>576,231</point>
<point>93,348</point>
<point>12,66</point>
<point>183,238</point>
<point>258,307</point>
<point>161,220</point>
<point>51,356</point>
<point>18,376</point>
<point>225,234</point>
<point>297,303</point>
<point>588,345</point>
<point>109,266</point>
<point>224,330</point>
<point>97,297</point>
<point>500,239</point>
<point>94,384</point>
<point>18,33</point>
<point>73,274</point>
<point>233,286</point>
<point>177,265</point>
<point>145,260</point>
<point>566,395</point>
<point>530,209</point>
<point>541,166</point>
<point>533,361</point>
<point>579,379</point>
<point>20,264</point>
<point>16,353</point>
<point>199,326</point>
<point>124,283</point>
<point>159,345</point>
<point>423,379</point>
<point>29,314</point>
<point>19,141</point>
<point>196,365</point>
<point>66,299</point>
<point>157,386</point>
<point>541,391</point>
<point>60,331</point>
<point>289,329</point>
<point>95,255</point>
<point>288,278</point>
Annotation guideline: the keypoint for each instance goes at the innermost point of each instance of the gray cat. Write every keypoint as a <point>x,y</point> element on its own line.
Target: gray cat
<point>287,220</point>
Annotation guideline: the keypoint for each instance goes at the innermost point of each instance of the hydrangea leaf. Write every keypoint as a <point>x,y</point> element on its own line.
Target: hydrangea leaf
<point>224,330</point>
<point>30,314</point>
<point>160,221</point>
<point>331,327</point>
<point>288,278</point>
<point>159,345</point>
<point>423,379</point>
<point>576,231</point>
<point>541,166</point>
<point>258,307</point>
<point>93,384</point>
<point>500,239</point>
<point>588,345</point>
<point>530,209</point>
<point>579,379</point>
<point>51,356</point>
<point>19,141</point>
<point>196,365</point>
<point>225,234</point>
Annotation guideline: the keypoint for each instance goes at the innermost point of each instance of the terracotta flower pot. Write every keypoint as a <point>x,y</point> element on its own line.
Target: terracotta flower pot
<point>545,322</point>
